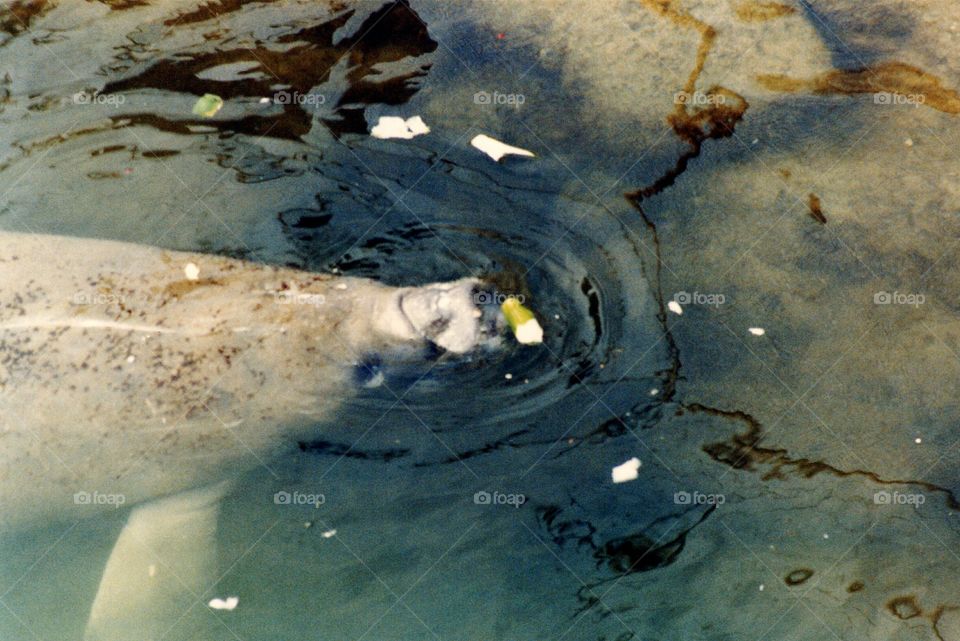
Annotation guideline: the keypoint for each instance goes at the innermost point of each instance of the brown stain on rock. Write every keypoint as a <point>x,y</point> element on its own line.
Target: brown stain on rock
<point>753,11</point>
<point>180,288</point>
<point>121,5</point>
<point>904,607</point>
<point>816,211</point>
<point>886,77</point>
<point>744,452</point>
<point>16,17</point>
<point>209,11</point>
<point>798,576</point>
<point>717,119</point>
<point>855,586</point>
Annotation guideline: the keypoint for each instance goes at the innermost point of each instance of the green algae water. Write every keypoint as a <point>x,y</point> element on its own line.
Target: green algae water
<point>738,230</point>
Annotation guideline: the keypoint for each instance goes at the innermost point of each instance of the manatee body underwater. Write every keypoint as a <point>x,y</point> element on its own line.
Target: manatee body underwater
<point>146,377</point>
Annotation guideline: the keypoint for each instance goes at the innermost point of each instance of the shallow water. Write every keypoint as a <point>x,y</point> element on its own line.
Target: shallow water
<point>795,484</point>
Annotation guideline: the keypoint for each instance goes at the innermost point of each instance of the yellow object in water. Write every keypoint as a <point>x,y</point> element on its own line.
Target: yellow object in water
<point>208,105</point>
<point>522,321</point>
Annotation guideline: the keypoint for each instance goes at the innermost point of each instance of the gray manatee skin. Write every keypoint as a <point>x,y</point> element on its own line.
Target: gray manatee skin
<point>121,375</point>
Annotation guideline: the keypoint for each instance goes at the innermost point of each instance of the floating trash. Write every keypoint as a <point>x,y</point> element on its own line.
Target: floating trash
<point>397,127</point>
<point>627,471</point>
<point>496,149</point>
<point>208,105</point>
<point>757,331</point>
<point>674,307</point>
<point>224,604</point>
<point>522,321</point>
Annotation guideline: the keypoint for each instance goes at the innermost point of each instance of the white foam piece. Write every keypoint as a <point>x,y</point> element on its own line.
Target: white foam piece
<point>224,604</point>
<point>674,307</point>
<point>416,126</point>
<point>496,149</point>
<point>627,471</point>
<point>397,127</point>
<point>529,333</point>
<point>191,271</point>
<point>757,331</point>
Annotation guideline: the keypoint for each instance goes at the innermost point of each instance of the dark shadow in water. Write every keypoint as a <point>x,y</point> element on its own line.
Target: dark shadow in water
<point>320,447</point>
<point>390,34</point>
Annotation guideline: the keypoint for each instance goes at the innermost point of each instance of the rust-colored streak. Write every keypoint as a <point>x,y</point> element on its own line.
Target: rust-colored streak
<point>16,17</point>
<point>815,209</point>
<point>913,85</point>
<point>180,288</point>
<point>694,124</point>
<point>904,607</point>
<point>752,11</point>
<point>744,452</point>
<point>121,5</point>
<point>798,577</point>
<point>209,11</point>
<point>683,19</point>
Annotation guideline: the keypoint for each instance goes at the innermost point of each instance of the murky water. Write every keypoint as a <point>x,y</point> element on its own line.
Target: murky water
<point>799,201</point>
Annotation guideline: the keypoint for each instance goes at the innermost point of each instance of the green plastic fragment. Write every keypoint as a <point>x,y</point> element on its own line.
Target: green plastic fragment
<point>522,321</point>
<point>208,105</point>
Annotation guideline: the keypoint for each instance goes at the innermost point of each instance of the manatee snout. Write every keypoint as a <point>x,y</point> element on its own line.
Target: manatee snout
<point>447,314</point>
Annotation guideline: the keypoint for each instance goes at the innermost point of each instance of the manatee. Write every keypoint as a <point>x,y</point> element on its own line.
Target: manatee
<point>136,375</point>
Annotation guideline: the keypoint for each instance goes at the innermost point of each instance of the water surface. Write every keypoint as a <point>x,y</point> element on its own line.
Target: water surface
<point>795,484</point>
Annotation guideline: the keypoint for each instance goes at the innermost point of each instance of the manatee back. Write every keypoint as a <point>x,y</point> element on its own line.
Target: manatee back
<point>133,370</point>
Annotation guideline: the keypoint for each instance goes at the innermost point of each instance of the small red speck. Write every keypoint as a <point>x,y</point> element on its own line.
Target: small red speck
<point>501,36</point>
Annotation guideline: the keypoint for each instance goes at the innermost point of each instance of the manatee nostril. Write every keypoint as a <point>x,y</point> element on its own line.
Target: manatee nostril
<point>438,326</point>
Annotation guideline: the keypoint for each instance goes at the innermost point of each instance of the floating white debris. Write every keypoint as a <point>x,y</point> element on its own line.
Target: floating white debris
<point>191,271</point>
<point>397,127</point>
<point>264,100</point>
<point>508,376</point>
<point>522,321</point>
<point>908,142</point>
<point>654,391</point>
<point>496,149</point>
<point>329,533</point>
<point>224,604</point>
<point>626,471</point>
<point>918,440</point>
<point>761,587</point>
<point>417,126</point>
<point>757,331</point>
<point>674,307</point>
